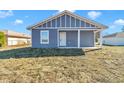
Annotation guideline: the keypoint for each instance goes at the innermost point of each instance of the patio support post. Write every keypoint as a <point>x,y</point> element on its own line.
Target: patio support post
<point>58,37</point>
<point>78,38</point>
<point>100,39</point>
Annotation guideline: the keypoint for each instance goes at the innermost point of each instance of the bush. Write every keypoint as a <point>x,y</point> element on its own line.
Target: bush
<point>2,39</point>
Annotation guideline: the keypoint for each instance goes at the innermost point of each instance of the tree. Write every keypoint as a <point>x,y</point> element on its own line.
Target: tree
<point>2,39</point>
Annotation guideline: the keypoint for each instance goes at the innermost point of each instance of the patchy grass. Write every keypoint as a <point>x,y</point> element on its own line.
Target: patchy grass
<point>34,65</point>
<point>37,52</point>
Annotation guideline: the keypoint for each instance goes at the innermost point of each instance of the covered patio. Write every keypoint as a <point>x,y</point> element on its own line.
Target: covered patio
<point>79,38</point>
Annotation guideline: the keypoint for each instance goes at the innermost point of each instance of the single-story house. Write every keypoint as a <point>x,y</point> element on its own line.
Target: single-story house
<point>65,30</point>
<point>15,38</point>
<point>114,39</point>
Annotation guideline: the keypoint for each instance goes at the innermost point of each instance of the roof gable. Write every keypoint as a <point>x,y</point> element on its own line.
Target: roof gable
<point>67,19</point>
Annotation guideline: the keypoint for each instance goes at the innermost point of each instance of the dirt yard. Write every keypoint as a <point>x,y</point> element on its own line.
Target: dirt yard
<point>106,65</point>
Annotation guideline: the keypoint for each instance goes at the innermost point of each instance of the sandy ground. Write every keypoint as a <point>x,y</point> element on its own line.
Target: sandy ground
<point>106,65</point>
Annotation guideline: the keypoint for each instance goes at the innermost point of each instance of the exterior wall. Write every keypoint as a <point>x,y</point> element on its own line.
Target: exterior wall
<point>52,39</point>
<point>87,39</point>
<point>113,41</point>
<point>67,21</point>
<point>71,39</point>
<point>17,41</point>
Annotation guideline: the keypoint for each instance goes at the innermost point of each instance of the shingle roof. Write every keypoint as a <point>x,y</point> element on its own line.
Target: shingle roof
<point>119,35</point>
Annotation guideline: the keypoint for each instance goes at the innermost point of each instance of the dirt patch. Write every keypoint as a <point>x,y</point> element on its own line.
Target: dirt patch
<point>106,65</point>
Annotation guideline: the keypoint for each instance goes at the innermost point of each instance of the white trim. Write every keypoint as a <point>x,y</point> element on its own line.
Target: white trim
<point>78,38</point>
<point>94,38</point>
<point>60,21</point>
<point>70,21</point>
<point>82,47</point>
<point>64,39</point>
<point>77,29</point>
<point>42,38</point>
<point>58,37</point>
<point>100,39</point>
<point>90,28</point>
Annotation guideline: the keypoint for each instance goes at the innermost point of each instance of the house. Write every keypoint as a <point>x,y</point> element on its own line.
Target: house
<point>15,38</point>
<point>65,30</point>
<point>114,39</point>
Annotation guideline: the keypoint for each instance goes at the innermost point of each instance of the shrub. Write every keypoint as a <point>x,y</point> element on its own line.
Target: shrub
<point>2,39</point>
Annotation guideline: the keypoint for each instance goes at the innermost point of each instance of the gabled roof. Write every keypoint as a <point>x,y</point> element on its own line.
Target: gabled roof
<point>118,35</point>
<point>69,13</point>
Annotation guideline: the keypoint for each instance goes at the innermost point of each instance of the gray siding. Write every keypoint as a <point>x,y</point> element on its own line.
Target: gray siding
<point>63,21</point>
<point>52,39</point>
<point>53,23</point>
<point>87,39</point>
<point>71,39</point>
<point>58,22</point>
<point>69,20</point>
<point>77,23</point>
<point>72,22</point>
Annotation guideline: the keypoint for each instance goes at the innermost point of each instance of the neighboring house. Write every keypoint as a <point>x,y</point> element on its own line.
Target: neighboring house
<point>65,30</point>
<point>15,38</point>
<point>114,39</point>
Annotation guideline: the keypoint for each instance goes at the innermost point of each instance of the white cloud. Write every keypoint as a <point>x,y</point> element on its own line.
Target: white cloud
<point>4,14</point>
<point>18,21</point>
<point>94,14</point>
<point>119,22</point>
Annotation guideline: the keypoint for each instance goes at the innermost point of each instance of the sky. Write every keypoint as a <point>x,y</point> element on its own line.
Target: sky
<point>18,20</point>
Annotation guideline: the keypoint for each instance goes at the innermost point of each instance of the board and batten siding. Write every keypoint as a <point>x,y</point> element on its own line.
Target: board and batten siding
<point>66,21</point>
<point>36,39</point>
<point>87,39</point>
<point>71,24</point>
<point>71,39</point>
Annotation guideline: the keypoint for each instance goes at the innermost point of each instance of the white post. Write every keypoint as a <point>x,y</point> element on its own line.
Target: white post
<point>78,38</point>
<point>65,20</point>
<point>60,21</point>
<point>100,39</point>
<point>94,38</point>
<point>58,37</point>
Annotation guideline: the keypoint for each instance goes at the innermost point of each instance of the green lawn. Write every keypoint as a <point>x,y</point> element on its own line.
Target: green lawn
<point>62,65</point>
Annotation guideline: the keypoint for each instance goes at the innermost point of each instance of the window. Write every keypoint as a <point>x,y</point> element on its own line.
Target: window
<point>45,37</point>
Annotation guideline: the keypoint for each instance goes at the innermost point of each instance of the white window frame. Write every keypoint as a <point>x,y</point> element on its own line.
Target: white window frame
<point>42,38</point>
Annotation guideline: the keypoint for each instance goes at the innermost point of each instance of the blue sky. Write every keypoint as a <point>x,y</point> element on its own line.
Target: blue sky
<point>18,20</point>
